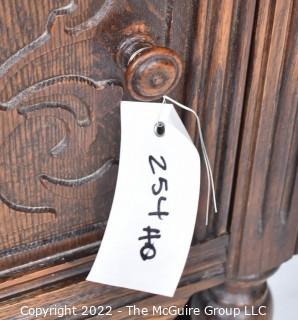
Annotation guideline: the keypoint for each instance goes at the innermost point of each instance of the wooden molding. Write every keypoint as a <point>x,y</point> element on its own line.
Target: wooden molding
<point>60,284</point>
<point>215,89</point>
<point>264,215</point>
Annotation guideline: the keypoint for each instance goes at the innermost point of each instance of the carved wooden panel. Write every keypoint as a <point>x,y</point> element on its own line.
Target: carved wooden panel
<point>57,173</point>
<point>265,220</point>
<point>60,90</point>
<point>59,115</point>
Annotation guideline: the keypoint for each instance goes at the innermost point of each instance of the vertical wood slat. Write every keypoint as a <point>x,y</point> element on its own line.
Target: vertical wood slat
<point>215,89</point>
<point>264,225</point>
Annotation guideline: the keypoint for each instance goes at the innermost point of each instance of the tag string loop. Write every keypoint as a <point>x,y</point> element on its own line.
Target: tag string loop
<point>205,155</point>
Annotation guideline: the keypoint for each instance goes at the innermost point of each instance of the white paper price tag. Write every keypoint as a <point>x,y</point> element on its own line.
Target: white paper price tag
<point>150,228</point>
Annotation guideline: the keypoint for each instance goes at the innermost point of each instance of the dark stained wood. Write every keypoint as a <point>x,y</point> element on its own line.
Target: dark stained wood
<point>264,217</point>
<point>59,116</point>
<point>247,299</point>
<point>152,22</point>
<point>63,284</point>
<point>65,65</point>
<point>179,300</point>
<point>264,220</point>
<point>57,173</point>
<point>150,71</point>
<point>49,261</point>
<point>258,144</point>
<point>215,89</point>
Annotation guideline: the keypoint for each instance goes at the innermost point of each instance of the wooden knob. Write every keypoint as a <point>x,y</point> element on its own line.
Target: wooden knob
<point>150,71</point>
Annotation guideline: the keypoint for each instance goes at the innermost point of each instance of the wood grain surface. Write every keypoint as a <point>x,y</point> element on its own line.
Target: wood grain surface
<point>63,284</point>
<point>62,81</point>
<point>216,88</point>
<point>265,219</point>
<point>59,115</point>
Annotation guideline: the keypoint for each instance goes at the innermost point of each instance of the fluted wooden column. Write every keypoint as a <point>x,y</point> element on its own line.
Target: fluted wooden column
<point>263,213</point>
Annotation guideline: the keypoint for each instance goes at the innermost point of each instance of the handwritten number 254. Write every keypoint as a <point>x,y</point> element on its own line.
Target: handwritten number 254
<point>162,181</point>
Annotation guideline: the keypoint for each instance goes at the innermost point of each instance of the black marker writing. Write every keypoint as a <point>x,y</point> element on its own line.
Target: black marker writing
<point>152,160</point>
<point>148,251</point>
<point>158,212</point>
<point>162,182</point>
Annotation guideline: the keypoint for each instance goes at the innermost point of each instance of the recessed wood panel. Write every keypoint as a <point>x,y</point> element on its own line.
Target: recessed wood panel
<point>59,115</point>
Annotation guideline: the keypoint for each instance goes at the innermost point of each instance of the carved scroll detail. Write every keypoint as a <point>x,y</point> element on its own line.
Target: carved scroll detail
<point>25,209</point>
<point>41,40</point>
<point>81,117</point>
<point>107,7</point>
<point>58,118</point>
<point>99,173</point>
<point>16,100</point>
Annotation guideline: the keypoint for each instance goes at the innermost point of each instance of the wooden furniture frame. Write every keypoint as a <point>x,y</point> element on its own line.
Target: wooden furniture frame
<point>64,67</point>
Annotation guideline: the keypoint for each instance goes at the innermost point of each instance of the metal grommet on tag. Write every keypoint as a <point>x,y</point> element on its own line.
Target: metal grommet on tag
<point>159,129</point>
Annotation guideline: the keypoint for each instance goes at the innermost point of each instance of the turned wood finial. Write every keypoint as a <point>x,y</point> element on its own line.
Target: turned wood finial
<point>150,71</point>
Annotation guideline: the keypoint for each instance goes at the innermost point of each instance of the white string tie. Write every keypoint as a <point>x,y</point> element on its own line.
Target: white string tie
<point>205,155</point>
